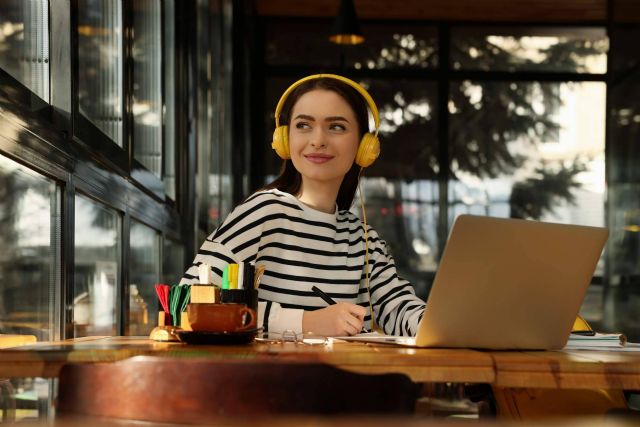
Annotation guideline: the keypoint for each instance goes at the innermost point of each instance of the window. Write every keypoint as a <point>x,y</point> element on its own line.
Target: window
<point>528,150</point>
<point>527,147</point>
<point>401,188</point>
<point>172,262</point>
<point>147,85</point>
<point>24,43</point>
<point>97,268</point>
<point>29,260</point>
<point>387,46</point>
<point>576,50</point>
<point>170,115</point>
<point>100,52</point>
<point>622,305</point>
<point>216,147</point>
<point>144,273</point>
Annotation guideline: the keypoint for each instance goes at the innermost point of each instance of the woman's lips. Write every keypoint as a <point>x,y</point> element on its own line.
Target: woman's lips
<point>318,158</point>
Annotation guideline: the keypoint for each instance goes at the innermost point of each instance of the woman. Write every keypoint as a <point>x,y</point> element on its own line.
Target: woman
<point>300,228</point>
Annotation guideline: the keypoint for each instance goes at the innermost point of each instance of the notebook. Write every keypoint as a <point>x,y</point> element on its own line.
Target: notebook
<point>506,284</point>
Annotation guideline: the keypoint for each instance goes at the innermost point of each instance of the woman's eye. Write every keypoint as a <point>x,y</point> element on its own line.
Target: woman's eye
<point>302,125</point>
<point>337,127</point>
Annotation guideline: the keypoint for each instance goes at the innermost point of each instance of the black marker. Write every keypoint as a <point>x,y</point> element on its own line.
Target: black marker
<point>326,298</point>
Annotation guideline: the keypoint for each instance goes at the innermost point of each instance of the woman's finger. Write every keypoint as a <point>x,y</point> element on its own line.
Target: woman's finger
<point>355,323</point>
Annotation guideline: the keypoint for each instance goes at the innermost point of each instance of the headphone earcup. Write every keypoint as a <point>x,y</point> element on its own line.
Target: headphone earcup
<point>368,150</point>
<point>281,142</point>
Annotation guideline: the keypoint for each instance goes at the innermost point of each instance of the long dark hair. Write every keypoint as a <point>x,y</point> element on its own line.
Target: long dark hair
<point>290,179</point>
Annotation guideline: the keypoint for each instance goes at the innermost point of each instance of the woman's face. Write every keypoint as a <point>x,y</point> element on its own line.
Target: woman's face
<point>323,137</point>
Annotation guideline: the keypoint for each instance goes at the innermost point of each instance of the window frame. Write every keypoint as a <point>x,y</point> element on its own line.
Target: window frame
<point>442,75</point>
<point>40,136</point>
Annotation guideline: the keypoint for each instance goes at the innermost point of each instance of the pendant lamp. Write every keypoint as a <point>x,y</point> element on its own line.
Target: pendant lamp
<point>346,29</point>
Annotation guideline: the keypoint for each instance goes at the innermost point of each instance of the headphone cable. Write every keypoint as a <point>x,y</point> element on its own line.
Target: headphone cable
<point>374,324</point>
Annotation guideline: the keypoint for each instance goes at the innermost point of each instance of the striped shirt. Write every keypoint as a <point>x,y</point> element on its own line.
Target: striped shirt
<point>302,247</point>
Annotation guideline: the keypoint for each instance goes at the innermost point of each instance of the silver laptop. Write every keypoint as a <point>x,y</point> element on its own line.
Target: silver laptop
<point>508,284</point>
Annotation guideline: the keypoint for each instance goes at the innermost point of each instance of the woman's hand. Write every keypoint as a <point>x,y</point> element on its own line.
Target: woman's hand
<point>339,319</point>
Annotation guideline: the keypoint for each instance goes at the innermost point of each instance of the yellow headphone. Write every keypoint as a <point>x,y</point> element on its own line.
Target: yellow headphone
<point>369,148</point>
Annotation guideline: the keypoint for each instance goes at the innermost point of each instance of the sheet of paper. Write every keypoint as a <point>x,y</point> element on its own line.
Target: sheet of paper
<point>376,337</point>
<point>600,341</point>
<point>597,340</point>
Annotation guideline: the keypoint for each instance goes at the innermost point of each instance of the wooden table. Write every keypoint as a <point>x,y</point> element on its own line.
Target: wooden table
<point>45,359</point>
<point>540,369</point>
<point>342,421</point>
<point>568,369</point>
<point>555,376</point>
<point>7,340</point>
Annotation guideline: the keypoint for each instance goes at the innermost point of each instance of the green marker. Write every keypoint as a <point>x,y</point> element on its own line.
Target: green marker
<point>225,278</point>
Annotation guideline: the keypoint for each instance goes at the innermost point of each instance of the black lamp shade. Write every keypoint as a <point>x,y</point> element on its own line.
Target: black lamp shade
<point>346,29</point>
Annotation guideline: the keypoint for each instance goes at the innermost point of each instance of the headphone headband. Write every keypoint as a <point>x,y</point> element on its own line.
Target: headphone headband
<point>356,86</point>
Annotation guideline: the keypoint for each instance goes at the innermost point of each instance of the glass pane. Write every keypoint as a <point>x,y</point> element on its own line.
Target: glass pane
<point>582,50</point>
<point>306,42</point>
<point>100,65</point>
<point>301,42</point>
<point>24,43</point>
<point>147,85</point>
<point>401,190</point>
<point>214,125</point>
<point>622,301</point>
<point>173,264</point>
<point>408,119</point>
<point>144,273</point>
<point>405,214</point>
<point>387,46</point>
<point>530,150</point>
<point>33,398</point>
<point>97,268</point>
<point>169,101</point>
<point>29,259</point>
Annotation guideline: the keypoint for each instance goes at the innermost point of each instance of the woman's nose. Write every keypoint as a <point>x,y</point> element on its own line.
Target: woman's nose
<point>317,140</point>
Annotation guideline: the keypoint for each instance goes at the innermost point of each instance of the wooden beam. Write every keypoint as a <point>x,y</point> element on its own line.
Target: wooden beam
<point>626,11</point>
<point>568,11</point>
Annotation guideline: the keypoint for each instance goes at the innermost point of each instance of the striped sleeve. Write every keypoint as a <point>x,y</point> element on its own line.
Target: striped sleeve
<point>396,307</point>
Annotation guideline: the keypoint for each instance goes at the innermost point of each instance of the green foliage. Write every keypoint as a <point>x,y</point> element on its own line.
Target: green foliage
<point>536,196</point>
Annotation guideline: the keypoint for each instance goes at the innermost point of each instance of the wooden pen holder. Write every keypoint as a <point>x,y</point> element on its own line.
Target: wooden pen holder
<point>185,325</point>
<point>164,330</point>
<point>248,297</point>
<point>205,294</point>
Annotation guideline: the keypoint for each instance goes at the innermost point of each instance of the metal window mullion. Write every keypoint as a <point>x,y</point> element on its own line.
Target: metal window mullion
<point>146,93</point>
<point>122,290</point>
<point>45,77</point>
<point>158,92</point>
<point>116,25</point>
<point>55,259</point>
<point>114,70</point>
<point>443,82</point>
<point>153,70</point>
<point>163,108</point>
<point>68,259</point>
<point>107,75</point>
<point>28,37</point>
<point>31,40</point>
<point>100,93</point>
